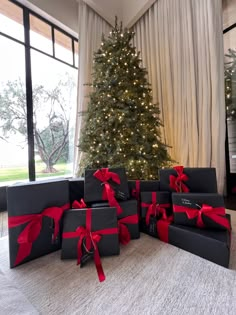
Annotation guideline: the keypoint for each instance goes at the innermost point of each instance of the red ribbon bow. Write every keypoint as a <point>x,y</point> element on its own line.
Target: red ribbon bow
<point>79,204</point>
<point>176,183</point>
<point>124,234</point>
<point>91,238</point>
<point>215,214</point>
<point>32,230</point>
<point>108,192</point>
<point>154,208</point>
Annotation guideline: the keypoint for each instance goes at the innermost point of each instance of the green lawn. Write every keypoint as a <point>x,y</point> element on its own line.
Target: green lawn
<point>21,173</point>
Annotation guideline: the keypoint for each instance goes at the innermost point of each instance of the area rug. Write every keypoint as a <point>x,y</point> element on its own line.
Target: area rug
<point>148,277</point>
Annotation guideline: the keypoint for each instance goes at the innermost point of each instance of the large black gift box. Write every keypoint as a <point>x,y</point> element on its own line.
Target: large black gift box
<point>144,185</point>
<point>93,187</point>
<point>187,208</point>
<point>102,218</point>
<point>130,209</point>
<point>163,200</point>
<point>200,180</point>
<point>76,189</point>
<point>26,204</point>
<point>212,245</point>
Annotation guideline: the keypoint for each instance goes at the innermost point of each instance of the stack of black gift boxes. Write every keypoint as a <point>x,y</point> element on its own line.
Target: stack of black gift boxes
<point>89,218</point>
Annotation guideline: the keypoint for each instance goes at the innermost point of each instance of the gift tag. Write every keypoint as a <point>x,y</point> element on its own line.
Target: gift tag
<point>87,255</point>
<point>118,194</point>
<point>152,227</point>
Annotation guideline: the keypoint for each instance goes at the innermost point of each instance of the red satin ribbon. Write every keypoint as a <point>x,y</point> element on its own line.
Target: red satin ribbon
<point>124,234</point>
<point>79,204</point>
<point>136,194</point>
<point>33,228</point>
<point>91,238</point>
<point>176,182</point>
<point>163,227</point>
<point>108,193</point>
<point>215,214</point>
<point>154,208</point>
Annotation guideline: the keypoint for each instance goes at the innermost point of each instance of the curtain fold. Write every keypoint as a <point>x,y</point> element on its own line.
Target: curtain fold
<point>181,44</point>
<point>91,28</point>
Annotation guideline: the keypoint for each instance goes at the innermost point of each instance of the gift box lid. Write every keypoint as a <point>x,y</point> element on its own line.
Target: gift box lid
<point>33,197</point>
<point>93,187</point>
<point>200,179</point>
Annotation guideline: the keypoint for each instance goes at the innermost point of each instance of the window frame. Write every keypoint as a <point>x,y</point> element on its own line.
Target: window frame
<point>28,73</point>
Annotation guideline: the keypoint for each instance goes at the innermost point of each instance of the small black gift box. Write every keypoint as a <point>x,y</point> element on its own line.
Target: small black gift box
<point>76,189</point>
<point>137,186</point>
<point>103,183</point>
<point>154,205</point>
<point>212,245</point>
<point>35,213</point>
<point>128,220</point>
<point>200,210</point>
<point>179,179</point>
<point>102,219</point>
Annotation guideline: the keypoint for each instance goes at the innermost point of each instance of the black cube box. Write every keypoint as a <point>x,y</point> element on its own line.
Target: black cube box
<point>76,189</point>
<point>130,212</point>
<point>26,203</point>
<point>143,185</point>
<point>159,200</point>
<point>94,188</point>
<point>200,210</point>
<point>212,245</point>
<point>102,218</point>
<point>200,180</point>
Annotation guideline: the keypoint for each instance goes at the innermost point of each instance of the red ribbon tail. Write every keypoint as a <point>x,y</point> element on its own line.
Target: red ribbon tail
<point>98,264</point>
<point>124,235</point>
<point>163,230</point>
<point>23,251</point>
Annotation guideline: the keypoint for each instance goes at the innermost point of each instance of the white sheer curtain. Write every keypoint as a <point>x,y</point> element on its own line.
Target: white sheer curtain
<point>91,28</point>
<point>181,44</point>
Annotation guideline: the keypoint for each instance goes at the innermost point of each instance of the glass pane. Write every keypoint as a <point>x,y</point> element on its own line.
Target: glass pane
<point>40,34</point>
<point>54,97</point>
<point>230,94</point>
<point>63,47</point>
<point>76,45</point>
<point>11,20</point>
<point>13,135</point>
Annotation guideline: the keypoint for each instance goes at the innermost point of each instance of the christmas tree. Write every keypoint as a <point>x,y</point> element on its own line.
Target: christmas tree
<point>122,125</point>
<point>230,84</point>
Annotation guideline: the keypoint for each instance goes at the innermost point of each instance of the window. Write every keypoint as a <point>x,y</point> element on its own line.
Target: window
<point>37,118</point>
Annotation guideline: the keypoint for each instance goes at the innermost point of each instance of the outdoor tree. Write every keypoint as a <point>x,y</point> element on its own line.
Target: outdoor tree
<point>50,118</point>
<point>230,84</point>
<point>121,124</point>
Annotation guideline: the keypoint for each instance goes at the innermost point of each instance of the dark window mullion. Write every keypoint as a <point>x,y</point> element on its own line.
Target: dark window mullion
<point>53,42</point>
<point>73,51</point>
<point>29,97</point>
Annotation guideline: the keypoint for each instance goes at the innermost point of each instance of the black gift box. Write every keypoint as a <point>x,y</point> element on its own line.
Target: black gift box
<point>145,185</point>
<point>93,187</point>
<point>102,218</point>
<point>162,197</point>
<point>130,208</point>
<point>76,189</point>
<point>212,245</point>
<point>33,198</point>
<point>195,201</point>
<point>200,180</point>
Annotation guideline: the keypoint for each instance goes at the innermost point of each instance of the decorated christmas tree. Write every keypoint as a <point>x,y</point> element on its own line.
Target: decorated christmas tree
<point>122,125</point>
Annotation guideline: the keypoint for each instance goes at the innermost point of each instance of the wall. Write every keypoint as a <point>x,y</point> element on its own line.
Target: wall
<point>64,11</point>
